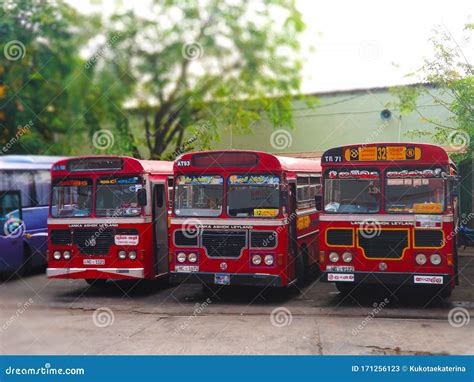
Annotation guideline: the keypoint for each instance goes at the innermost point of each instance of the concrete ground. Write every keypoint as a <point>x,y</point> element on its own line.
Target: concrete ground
<point>41,316</point>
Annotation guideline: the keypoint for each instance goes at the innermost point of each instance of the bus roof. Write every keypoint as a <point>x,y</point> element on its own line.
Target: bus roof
<point>238,159</point>
<point>383,153</point>
<point>110,163</point>
<point>27,162</point>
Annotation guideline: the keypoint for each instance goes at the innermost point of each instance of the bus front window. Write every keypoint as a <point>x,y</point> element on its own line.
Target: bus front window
<point>253,195</point>
<point>414,195</point>
<point>198,195</point>
<point>352,192</point>
<point>71,198</point>
<point>118,197</point>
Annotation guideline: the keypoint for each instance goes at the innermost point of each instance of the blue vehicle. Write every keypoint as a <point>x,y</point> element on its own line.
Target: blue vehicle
<point>24,194</point>
<point>466,237</point>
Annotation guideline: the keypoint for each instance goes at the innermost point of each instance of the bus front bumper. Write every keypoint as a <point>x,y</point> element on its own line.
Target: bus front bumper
<point>96,273</point>
<point>393,278</point>
<point>249,279</point>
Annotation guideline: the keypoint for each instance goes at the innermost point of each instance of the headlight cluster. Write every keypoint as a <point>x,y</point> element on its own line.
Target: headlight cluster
<point>265,259</point>
<point>58,255</point>
<point>346,257</point>
<point>191,257</point>
<point>435,259</point>
<point>132,255</point>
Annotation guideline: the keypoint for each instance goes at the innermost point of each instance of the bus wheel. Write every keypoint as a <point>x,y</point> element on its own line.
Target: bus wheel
<point>344,288</point>
<point>97,283</point>
<point>26,266</point>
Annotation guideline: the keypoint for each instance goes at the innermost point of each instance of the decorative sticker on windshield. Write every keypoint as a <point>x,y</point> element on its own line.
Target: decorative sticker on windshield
<point>73,182</point>
<point>265,212</point>
<point>353,174</point>
<point>429,173</point>
<point>200,180</point>
<point>382,153</point>
<point>428,208</point>
<point>112,181</point>
<point>254,180</point>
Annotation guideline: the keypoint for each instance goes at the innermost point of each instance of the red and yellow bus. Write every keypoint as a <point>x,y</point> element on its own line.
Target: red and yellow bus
<point>390,210</point>
<point>108,219</point>
<point>244,218</point>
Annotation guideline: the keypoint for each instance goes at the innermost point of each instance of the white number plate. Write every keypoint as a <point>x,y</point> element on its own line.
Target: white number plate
<point>186,268</point>
<point>94,262</point>
<point>339,268</point>
<point>341,277</point>
<point>420,279</point>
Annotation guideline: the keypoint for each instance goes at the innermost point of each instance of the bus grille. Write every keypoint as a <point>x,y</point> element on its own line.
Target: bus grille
<point>386,244</point>
<point>93,241</point>
<point>60,236</point>
<point>340,237</point>
<point>263,239</point>
<point>185,239</point>
<point>224,243</point>
<point>428,238</point>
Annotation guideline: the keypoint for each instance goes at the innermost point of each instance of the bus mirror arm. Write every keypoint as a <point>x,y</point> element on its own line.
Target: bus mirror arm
<point>142,197</point>
<point>319,202</point>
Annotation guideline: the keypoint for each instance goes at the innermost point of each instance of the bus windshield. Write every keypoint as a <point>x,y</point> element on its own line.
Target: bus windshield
<point>197,195</point>
<point>253,195</point>
<point>357,191</point>
<point>71,198</point>
<point>117,197</point>
<point>414,195</point>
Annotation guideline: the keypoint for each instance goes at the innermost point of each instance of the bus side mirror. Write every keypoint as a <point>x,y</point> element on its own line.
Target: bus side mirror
<point>319,202</point>
<point>141,197</point>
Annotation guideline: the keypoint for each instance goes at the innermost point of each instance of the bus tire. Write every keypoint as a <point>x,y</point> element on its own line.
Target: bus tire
<point>97,283</point>
<point>26,266</point>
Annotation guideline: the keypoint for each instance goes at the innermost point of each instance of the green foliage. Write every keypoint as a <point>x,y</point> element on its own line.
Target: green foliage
<point>451,74</point>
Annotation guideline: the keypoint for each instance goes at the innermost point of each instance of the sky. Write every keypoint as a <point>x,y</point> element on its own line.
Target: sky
<point>362,43</point>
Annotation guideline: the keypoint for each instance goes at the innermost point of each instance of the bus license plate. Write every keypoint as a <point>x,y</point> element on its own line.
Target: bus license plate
<point>186,268</point>
<point>339,268</point>
<point>94,262</point>
<point>222,279</point>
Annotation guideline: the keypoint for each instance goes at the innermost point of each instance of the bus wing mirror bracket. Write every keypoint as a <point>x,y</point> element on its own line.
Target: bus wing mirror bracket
<point>142,197</point>
<point>319,202</point>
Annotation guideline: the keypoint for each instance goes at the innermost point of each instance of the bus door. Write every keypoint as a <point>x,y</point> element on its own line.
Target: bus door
<point>160,228</point>
<point>292,241</point>
<point>11,230</point>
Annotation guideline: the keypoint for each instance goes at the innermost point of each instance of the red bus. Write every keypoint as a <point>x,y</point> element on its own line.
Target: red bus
<point>108,219</point>
<point>244,218</point>
<point>390,210</point>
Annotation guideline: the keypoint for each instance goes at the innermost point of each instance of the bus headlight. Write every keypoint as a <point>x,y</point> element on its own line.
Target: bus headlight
<point>333,257</point>
<point>57,255</point>
<point>347,257</point>
<point>67,255</point>
<point>256,260</point>
<point>192,257</point>
<point>181,257</point>
<point>435,259</point>
<point>420,259</point>
<point>269,260</point>
<point>132,255</point>
<point>122,255</point>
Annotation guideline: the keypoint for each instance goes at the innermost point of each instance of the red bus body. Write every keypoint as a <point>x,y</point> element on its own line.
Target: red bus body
<point>389,216</point>
<point>102,214</point>
<point>244,218</point>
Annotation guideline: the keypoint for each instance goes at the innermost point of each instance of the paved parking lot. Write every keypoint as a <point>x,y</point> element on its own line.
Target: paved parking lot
<point>41,316</point>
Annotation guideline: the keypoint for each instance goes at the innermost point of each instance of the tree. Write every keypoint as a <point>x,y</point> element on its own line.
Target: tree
<point>188,67</point>
<point>452,74</point>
